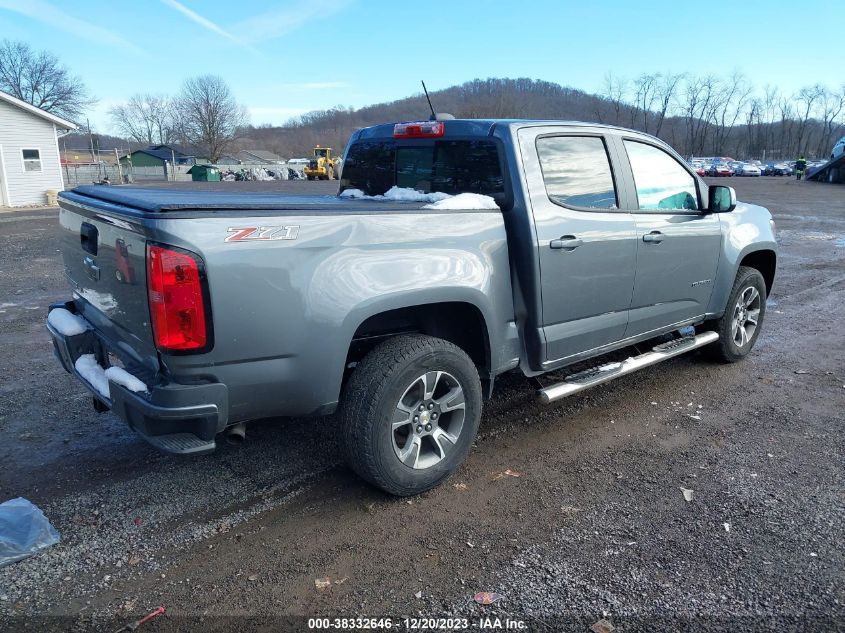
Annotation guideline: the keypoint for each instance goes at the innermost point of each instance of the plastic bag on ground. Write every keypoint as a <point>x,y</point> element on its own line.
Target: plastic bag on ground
<point>24,530</point>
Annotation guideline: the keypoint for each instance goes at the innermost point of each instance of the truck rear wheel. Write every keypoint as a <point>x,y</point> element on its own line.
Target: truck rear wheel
<point>410,413</point>
<point>739,326</point>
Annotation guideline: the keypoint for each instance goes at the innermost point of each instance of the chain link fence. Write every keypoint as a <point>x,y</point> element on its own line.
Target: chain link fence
<point>85,174</point>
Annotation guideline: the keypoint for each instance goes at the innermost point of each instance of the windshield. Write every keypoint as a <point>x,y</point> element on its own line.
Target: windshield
<point>321,152</point>
<point>453,167</point>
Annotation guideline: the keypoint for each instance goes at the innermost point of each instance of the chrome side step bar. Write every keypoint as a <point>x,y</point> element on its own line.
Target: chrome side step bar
<point>604,373</point>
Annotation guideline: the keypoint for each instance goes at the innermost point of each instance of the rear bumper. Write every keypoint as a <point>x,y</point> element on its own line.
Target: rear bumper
<point>173,417</point>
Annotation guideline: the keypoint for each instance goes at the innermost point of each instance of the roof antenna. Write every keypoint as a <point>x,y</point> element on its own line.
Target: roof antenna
<point>433,116</point>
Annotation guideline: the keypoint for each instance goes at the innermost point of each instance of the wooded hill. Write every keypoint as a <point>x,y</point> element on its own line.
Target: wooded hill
<point>490,98</point>
<point>697,115</point>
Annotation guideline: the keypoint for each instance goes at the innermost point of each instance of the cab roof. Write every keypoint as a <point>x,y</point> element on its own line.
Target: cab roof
<point>483,127</point>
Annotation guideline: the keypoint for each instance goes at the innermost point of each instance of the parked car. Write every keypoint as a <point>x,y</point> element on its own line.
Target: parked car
<point>721,170</point>
<point>838,149</point>
<point>701,171</point>
<point>778,169</point>
<point>399,308</point>
<point>748,169</point>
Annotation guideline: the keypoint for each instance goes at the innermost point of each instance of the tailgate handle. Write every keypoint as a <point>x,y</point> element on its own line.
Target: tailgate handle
<point>92,269</point>
<point>88,235</point>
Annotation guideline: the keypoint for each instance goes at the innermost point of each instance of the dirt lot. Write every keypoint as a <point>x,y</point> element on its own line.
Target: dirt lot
<point>594,526</point>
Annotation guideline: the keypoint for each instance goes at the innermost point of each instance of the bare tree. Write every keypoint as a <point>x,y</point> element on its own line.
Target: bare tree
<point>208,114</point>
<point>754,141</point>
<point>730,103</point>
<point>698,110</point>
<point>645,91</point>
<point>38,78</point>
<point>614,91</point>
<point>665,95</point>
<point>146,118</point>
<point>771,98</point>
<point>786,125</point>
<point>832,105</point>
<point>805,102</point>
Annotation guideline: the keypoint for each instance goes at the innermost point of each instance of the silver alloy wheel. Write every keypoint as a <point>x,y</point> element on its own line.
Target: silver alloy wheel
<point>428,420</point>
<point>746,315</point>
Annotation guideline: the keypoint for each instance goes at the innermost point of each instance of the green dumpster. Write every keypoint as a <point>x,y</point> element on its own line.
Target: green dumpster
<point>204,173</point>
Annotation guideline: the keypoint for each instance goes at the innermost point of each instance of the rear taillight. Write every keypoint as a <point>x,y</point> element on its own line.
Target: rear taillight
<point>175,284</point>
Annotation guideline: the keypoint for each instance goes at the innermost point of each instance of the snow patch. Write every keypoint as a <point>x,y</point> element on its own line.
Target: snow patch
<point>103,300</point>
<point>464,201</point>
<point>66,323</point>
<point>404,194</point>
<point>92,373</point>
<point>397,194</point>
<point>124,378</point>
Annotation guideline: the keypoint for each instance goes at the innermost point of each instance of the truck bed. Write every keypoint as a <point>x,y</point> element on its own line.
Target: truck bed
<point>167,200</point>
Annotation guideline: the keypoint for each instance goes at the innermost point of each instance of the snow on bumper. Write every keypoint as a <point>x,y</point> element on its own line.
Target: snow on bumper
<point>93,373</point>
<point>153,410</point>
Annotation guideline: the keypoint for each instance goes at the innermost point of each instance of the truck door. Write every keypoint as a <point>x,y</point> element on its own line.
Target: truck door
<point>678,244</point>
<point>586,245</point>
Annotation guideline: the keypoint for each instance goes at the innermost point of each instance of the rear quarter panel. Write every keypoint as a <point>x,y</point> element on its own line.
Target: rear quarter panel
<point>285,311</point>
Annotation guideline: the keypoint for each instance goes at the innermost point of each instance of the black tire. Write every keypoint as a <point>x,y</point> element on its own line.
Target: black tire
<point>727,349</point>
<point>390,377</point>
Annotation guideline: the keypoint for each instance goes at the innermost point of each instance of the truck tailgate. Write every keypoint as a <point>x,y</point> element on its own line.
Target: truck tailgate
<point>104,260</point>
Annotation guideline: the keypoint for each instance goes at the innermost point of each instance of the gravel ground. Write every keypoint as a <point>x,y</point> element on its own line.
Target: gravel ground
<point>594,526</point>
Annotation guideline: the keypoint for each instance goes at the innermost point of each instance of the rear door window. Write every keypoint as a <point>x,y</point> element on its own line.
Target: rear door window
<point>576,171</point>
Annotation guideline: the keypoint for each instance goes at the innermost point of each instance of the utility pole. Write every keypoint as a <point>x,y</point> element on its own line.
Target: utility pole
<point>67,171</point>
<point>173,156</point>
<point>119,168</point>
<point>91,141</point>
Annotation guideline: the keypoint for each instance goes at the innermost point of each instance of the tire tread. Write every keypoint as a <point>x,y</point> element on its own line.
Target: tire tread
<point>366,389</point>
<point>720,350</point>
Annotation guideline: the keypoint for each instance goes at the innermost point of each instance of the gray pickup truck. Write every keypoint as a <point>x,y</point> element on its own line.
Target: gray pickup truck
<point>194,312</point>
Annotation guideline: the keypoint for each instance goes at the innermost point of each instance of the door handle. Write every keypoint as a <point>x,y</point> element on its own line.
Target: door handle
<point>655,237</point>
<point>566,242</point>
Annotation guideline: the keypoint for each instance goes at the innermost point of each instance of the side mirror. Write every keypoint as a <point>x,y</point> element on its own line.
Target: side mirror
<point>721,199</point>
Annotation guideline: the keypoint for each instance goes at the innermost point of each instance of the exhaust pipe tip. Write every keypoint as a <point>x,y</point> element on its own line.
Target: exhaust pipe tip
<point>236,434</point>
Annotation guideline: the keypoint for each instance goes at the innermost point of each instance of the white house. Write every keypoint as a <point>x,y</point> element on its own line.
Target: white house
<point>29,152</point>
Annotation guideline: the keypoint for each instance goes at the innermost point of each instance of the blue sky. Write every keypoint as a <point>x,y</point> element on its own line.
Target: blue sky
<point>287,57</point>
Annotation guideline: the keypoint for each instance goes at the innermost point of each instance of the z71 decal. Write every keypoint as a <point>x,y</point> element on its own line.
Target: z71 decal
<point>262,233</point>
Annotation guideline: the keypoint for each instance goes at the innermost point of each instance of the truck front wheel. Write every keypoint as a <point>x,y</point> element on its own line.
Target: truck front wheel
<point>410,413</point>
<point>739,326</point>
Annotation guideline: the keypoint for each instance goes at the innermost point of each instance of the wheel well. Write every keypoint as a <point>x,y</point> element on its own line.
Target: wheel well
<point>766,263</point>
<point>458,323</point>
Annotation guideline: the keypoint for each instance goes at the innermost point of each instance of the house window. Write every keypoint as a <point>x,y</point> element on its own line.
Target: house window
<point>31,159</point>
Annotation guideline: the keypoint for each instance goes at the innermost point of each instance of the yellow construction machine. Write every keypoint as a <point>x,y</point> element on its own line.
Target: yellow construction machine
<point>322,166</point>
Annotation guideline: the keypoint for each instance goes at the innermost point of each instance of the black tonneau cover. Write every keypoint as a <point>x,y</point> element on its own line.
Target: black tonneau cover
<point>151,200</point>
